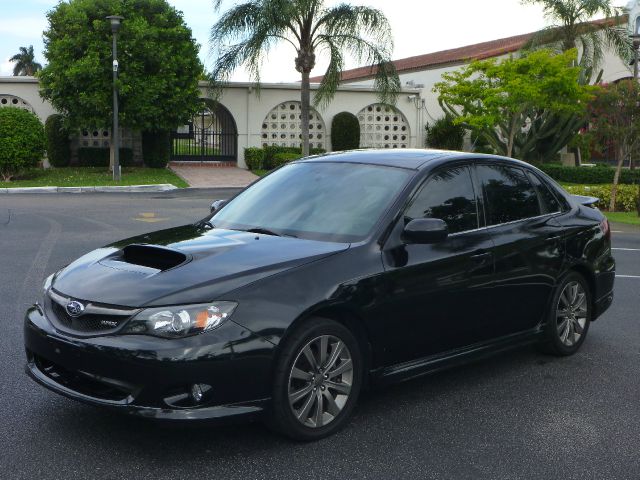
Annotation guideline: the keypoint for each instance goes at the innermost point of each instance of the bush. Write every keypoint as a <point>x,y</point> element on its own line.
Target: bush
<point>254,158</point>
<point>272,150</point>
<point>58,144</point>
<point>21,141</point>
<point>156,148</point>
<point>345,132</point>
<point>626,198</point>
<point>445,134</point>
<point>280,159</point>
<point>589,175</point>
<point>99,157</point>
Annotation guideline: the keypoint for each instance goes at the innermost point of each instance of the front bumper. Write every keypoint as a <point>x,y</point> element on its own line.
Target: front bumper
<point>152,377</point>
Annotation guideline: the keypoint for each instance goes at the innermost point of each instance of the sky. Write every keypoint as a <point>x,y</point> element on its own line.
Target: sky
<point>419,26</point>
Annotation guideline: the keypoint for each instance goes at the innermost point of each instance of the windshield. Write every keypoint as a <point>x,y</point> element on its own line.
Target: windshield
<point>339,202</point>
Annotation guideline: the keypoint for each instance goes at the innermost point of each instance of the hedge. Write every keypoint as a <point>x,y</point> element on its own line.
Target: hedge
<point>58,143</point>
<point>156,148</point>
<point>590,175</point>
<point>280,159</point>
<point>21,141</point>
<point>269,152</point>
<point>345,132</point>
<point>99,157</point>
<point>626,197</point>
<point>445,134</point>
<point>254,158</point>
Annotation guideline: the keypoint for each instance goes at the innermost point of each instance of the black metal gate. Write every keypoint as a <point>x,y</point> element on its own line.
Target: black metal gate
<point>211,135</point>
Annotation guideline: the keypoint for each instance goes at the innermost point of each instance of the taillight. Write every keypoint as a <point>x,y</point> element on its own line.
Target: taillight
<point>606,229</point>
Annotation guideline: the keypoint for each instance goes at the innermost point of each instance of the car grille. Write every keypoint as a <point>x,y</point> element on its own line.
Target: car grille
<point>94,320</point>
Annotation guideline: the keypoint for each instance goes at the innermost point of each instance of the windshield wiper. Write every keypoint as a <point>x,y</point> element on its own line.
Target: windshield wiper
<point>266,231</point>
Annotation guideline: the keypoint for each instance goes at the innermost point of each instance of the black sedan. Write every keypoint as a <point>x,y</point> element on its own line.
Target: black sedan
<point>330,275</point>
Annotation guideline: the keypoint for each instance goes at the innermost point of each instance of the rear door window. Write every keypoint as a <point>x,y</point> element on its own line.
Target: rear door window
<point>548,201</point>
<point>508,193</point>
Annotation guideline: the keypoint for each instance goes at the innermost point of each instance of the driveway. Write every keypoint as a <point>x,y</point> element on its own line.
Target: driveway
<point>520,415</point>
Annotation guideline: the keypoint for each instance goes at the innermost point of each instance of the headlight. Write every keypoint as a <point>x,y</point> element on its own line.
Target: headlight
<point>181,320</point>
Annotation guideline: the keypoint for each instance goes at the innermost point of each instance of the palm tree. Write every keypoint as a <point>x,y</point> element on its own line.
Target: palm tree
<point>246,33</point>
<point>25,62</point>
<point>572,27</point>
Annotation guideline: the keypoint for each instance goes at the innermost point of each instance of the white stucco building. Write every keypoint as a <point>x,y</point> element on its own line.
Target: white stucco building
<point>245,118</point>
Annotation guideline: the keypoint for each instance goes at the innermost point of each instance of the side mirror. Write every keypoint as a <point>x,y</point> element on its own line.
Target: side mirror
<point>217,205</point>
<point>425,230</point>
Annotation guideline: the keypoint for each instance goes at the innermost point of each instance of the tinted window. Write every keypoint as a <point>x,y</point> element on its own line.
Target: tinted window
<point>447,195</point>
<point>549,202</point>
<point>509,194</point>
<point>338,202</point>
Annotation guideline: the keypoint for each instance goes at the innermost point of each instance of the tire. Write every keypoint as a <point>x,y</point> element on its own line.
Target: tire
<point>569,316</point>
<point>331,381</point>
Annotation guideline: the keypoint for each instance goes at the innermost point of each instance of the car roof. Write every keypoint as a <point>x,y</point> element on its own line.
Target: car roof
<point>404,158</point>
<point>415,159</point>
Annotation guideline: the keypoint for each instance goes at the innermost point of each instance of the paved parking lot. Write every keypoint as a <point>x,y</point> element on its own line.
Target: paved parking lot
<point>521,415</point>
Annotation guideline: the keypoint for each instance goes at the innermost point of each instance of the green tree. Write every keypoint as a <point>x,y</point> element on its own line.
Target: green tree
<point>247,33</point>
<point>158,71</point>
<point>571,27</point>
<point>509,102</point>
<point>614,117</point>
<point>25,62</point>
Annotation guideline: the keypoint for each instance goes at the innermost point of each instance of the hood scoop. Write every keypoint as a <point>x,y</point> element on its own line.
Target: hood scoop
<point>145,258</point>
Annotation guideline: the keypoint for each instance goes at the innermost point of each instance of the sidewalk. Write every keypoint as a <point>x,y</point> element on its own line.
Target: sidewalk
<point>202,175</point>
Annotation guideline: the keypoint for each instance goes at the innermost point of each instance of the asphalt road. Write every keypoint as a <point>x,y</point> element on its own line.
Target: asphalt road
<point>520,415</point>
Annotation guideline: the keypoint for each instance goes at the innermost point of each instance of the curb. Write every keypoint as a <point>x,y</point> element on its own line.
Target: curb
<point>163,187</point>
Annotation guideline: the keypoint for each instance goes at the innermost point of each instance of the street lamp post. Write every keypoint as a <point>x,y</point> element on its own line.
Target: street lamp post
<point>115,138</point>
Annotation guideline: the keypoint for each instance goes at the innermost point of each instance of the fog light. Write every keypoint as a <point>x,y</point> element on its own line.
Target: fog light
<point>196,392</point>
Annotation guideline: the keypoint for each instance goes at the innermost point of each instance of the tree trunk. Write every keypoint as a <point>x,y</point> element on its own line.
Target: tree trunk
<point>616,178</point>
<point>305,98</point>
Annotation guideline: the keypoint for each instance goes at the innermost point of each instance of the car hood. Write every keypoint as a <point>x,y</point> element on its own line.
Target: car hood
<point>183,265</point>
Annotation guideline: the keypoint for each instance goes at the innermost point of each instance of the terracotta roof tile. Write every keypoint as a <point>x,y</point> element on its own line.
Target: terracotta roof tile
<point>478,51</point>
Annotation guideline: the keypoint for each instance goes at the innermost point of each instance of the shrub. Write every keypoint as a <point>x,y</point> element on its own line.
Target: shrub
<point>272,150</point>
<point>99,157</point>
<point>58,144</point>
<point>21,141</point>
<point>445,134</point>
<point>345,132</point>
<point>156,148</point>
<point>254,158</point>
<point>280,159</point>
<point>626,198</point>
<point>590,175</point>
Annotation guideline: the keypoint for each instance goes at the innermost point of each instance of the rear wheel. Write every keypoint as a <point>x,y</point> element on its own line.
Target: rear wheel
<point>570,316</point>
<point>317,380</point>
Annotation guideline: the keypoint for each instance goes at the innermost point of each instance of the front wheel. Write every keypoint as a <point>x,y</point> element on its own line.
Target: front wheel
<point>317,380</point>
<point>570,316</point>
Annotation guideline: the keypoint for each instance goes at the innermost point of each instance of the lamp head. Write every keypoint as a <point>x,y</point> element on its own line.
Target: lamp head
<point>115,22</point>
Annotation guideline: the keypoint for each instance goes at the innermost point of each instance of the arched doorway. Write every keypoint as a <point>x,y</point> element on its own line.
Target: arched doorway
<point>210,135</point>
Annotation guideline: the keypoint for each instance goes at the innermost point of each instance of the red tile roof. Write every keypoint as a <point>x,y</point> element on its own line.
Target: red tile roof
<point>478,51</point>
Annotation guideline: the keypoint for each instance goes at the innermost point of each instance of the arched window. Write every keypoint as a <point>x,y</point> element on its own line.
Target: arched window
<point>637,29</point>
<point>383,126</point>
<point>281,126</point>
<point>13,101</point>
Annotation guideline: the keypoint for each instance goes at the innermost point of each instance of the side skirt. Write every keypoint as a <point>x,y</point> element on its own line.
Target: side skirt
<point>434,363</point>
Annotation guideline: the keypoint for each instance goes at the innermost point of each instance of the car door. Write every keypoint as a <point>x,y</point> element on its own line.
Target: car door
<point>435,292</point>
<point>529,247</point>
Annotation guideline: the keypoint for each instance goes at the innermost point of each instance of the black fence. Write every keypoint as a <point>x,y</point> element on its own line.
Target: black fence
<point>211,135</point>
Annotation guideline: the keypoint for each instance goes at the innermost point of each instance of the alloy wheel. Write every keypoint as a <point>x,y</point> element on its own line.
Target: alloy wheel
<point>571,313</point>
<point>320,381</point>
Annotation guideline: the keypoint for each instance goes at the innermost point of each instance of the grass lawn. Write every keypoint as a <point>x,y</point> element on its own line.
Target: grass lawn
<point>631,218</point>
<point>93,177</point>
